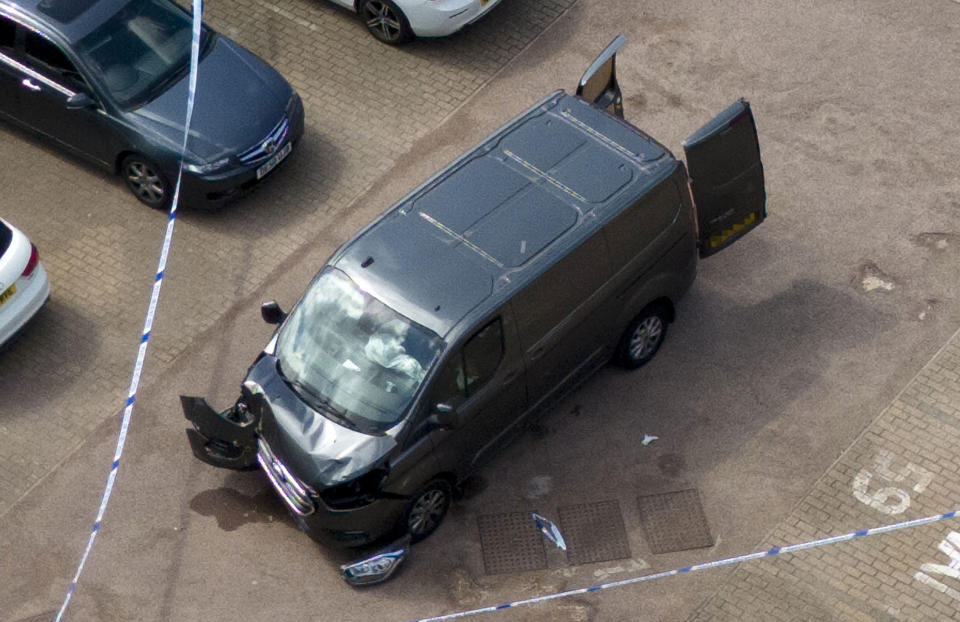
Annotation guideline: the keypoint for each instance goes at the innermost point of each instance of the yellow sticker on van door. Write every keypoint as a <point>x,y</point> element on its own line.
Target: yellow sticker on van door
<point>724,235</point>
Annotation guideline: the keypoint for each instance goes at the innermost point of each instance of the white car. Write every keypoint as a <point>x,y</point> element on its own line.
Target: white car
<point>399,21</point>
<point>23,281</point>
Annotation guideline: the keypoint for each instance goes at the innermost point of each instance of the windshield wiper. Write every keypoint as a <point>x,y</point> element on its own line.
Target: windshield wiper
<point>318,401</point>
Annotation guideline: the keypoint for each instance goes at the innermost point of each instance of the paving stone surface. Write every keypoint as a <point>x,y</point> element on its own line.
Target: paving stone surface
<point>366,103</point>
<point>904,466</point>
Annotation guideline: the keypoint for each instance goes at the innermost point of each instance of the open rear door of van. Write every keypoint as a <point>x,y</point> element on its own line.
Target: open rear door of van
<point>599,82</point>
<point>726,178</point>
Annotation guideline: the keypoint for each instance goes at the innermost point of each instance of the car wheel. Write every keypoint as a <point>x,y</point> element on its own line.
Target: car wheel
<point>427,509</point>
<point>385,21</point>
<point>643,337</point>
<point>145,180</point>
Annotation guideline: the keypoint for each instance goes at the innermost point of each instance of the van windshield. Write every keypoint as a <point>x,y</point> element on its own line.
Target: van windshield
<point>351,357</point>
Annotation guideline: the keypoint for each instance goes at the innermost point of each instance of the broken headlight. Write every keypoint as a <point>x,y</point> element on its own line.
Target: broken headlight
<point>356,493</point>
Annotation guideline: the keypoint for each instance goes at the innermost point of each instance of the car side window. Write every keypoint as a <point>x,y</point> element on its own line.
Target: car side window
<point>8,33</point>
<point>50,60</point>
<point>467,371</point>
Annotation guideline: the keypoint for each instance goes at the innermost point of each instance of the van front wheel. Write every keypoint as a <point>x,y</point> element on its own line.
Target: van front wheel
<point>642,338</point>
<point>427,509</point>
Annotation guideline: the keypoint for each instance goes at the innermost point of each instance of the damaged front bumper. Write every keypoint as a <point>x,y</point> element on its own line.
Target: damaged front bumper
<point>225,439</point>
<point>231,440</point>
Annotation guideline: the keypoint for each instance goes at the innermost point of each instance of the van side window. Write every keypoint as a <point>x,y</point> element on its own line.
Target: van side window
<point>471,368</point>
<point>561,290</point>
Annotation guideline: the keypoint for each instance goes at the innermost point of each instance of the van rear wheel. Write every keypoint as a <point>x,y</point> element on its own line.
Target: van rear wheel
<point>643,337</point>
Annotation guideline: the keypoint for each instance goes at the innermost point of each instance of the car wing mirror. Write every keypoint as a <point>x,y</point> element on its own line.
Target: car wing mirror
<point>598,85</point>
<point>272,313</point>
<point>80,100</point>
<point>445,416</point>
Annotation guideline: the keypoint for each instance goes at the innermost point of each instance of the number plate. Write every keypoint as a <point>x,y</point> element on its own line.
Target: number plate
<point>277,158</point>
<point>8,294</point>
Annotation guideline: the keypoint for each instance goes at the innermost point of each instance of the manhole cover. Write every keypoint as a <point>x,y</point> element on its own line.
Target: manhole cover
<point>674,521</point>
<point>594,532</point>
<point>511,543</point>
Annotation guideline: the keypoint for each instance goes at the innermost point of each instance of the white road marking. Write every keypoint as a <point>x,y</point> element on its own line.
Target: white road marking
<point>889,499</point>
<point>633,566</point>
<point>293,18</point>
<point>950,546</point>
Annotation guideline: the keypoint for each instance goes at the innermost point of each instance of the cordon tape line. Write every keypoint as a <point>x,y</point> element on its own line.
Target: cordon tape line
<point>777,550</point>
<point>151,310</point>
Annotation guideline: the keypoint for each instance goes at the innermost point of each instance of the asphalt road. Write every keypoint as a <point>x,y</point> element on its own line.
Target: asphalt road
<point>789,344</point>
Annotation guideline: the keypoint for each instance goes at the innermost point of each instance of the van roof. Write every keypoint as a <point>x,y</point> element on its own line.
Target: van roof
<point>504,212</point>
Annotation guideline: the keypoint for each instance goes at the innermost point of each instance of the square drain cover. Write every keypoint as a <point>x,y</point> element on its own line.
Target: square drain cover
<point>674,521</point>
<point>511,542</point>
<point>594,532</point>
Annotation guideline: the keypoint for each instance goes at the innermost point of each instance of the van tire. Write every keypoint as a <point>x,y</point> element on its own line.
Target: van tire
<point>643,337</point>
<point>427,509</point>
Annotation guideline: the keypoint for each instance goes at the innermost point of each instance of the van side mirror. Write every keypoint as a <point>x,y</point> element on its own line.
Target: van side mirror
<point>599,82</point>
<point>445,416</point>
<point>272,313</point>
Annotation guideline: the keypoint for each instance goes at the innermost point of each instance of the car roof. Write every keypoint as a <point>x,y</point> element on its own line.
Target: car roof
<point>72,19</point>
<point>504,212</point>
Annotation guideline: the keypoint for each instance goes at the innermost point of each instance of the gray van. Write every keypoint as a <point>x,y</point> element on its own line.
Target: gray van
<point>432,336</point>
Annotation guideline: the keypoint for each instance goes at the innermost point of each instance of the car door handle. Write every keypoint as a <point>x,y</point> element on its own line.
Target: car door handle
<point>30,85</point>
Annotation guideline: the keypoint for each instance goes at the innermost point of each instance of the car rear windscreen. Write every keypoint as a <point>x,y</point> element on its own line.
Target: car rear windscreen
<point>64,11</point>
<point>5,236</point>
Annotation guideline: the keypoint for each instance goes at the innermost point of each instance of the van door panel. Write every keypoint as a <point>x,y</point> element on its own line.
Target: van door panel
<point>558,316</point>
<point>726,178</point>
<point>644,240</point>
<point>489,415</point>
<point>640,234</point>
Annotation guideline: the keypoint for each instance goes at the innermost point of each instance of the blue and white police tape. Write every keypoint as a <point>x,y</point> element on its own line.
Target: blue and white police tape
<point>777,550</point>
<point>151,310</point>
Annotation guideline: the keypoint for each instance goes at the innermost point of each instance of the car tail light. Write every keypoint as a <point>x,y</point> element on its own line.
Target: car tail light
<point>33,261</point>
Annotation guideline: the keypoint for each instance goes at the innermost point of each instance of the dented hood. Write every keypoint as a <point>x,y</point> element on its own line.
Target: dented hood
<point>316,449</point>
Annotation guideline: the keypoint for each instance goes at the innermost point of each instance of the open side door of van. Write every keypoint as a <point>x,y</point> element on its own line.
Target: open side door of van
<point>726,178</point>
<point>599,82</point>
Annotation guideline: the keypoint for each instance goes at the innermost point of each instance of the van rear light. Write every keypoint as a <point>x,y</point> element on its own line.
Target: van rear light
<point>33,261</point>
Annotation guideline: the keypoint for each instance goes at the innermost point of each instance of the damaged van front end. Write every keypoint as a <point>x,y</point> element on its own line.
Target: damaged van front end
<point>329,476</point>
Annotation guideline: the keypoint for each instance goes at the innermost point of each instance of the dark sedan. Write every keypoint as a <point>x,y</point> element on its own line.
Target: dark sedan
<point>107,80</point>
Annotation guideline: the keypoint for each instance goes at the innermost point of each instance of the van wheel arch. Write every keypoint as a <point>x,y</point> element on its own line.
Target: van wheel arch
<point>666,304</point>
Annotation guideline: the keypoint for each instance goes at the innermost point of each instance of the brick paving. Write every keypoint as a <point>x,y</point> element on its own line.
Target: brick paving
<point>902,467</point>
<point>366,103</point>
